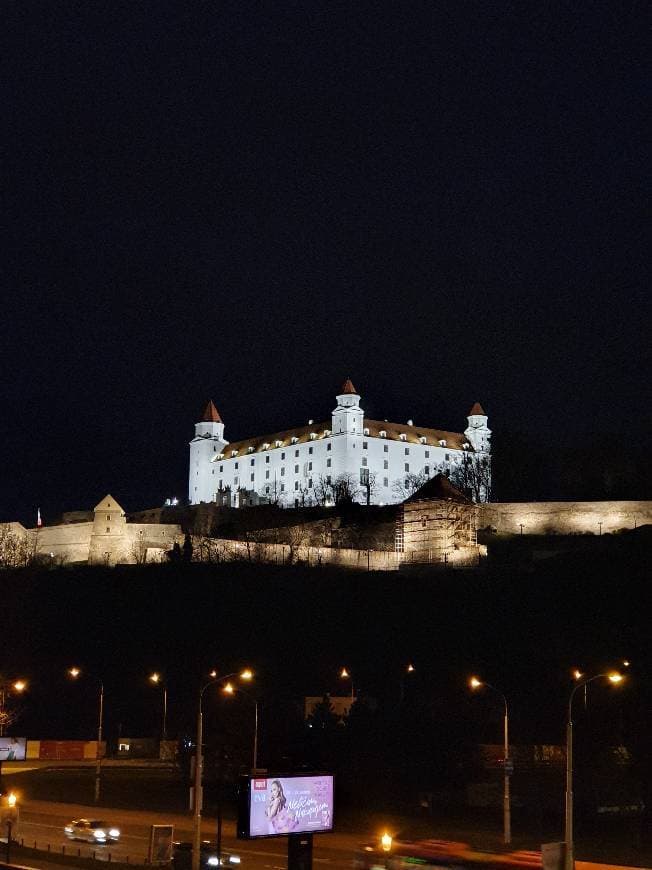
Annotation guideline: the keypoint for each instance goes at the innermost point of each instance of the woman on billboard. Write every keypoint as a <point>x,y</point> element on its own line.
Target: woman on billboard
<point>280,819</point>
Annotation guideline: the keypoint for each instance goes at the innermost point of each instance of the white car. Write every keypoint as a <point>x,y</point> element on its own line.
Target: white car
<point>92,831</point>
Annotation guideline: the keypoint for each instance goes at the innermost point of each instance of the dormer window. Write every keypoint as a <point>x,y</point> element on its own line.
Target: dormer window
<point>313,435</point>
<point>365,431</point>
<point>266,445</point>
<point>220,456</point>
<point>294,439</point>
<point>234,453</point>
<point>422,439</point>
<point>250,449</point>
<point>442,442</point>
<point>327,432</point>
<point>403,436</point>
<point>277,443</point>
<point>383,433</point>
<point>465,446</point>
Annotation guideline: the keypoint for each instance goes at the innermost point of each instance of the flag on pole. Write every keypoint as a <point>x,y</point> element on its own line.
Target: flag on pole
<point>39,521</point>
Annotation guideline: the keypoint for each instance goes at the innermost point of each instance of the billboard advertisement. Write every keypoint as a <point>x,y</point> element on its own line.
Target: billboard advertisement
<point>274,806</point>
<point>12,748</point>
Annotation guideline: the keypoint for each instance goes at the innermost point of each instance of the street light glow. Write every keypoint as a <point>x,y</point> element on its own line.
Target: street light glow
<point>410,668</point>
<point>11,799</point>
<point>74,673</point>
<point>20,685</point>
<point>247,674</point>
<point>155,678</point>
<point>475,683</point>
<point>386,841</point>
<point>213,674</point>
<point>615,677</point>
<point>228,689</point>
<point>344,674</point>
<point>577,674</point>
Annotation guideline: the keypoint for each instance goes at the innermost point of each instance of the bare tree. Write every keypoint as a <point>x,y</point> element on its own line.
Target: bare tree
<point>16,551</point>
<point>472,476</point>
<point>409,483</point>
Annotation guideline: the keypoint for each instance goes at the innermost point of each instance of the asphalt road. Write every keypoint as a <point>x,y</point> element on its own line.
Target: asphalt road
<point>42,822</point>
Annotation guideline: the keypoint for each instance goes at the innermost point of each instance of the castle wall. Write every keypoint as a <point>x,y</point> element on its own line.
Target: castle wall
<point>564,518</point>
<point>67,543</point>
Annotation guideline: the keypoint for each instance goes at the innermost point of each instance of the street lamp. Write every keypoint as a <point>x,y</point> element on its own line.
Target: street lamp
<point>345,675</point>
<point>157,680</point>
<point>230,689</point>
<point>7,688</point>
<point>475,683</point>
<point>615,678</point>
<point>75,673</point>
<point>199,762</point>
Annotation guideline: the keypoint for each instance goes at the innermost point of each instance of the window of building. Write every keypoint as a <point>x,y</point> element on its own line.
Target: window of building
<point>427,469</point>
<point>385,463</point>
<point>364,460</point>
<point>328,479</point>
<point>365,444</point>
<point>283,471</point>
<point>385,481</point>
<point>236,466</point>
<point>214,449</point>
<point>296,453</point>
<point>252,462</point>
<point>296,469</point>
<point>266,490</point>
<point>407,466</point>
<point>310,483</point>
<point>235,481</point>
<point>108,518</point>
<point>108,530</point>
<point>282,487</point>
<point>221,469</point>
<point>252,477</point>
<point>447,457</point>
<point>329,446</point>
<point>403,436</point>
<point>328,462</point>
<point>283,456</point>
<point>250,449</point>
<point>310,450</point>
<point>278,443</point>
<point>267,475</point>
<point>294,439</point>
<point>385,448</point>
<point>383,433</point>
<point>296,484</point>
<point>310,466</point>
<point>442,442</point>
<point>427,454</point>
<point>267,459</point>
<point>219,484</point>
<point>407,451</point>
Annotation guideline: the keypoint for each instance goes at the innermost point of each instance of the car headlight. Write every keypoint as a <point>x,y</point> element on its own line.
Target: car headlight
<point>68,829</point>
<point>234,859</point>
<point>114,832</point>
<point>213,861</point>
<point>99,834</point>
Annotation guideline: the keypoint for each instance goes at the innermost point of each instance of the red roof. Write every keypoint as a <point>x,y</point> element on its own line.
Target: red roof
<point>348,388</point>
<point>211,414</point>
<point>477,409</point>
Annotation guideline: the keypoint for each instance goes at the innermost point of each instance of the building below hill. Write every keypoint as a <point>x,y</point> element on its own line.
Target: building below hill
<point>346,457</point>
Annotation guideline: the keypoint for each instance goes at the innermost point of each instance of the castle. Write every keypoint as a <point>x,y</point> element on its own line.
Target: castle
<point>371,461</point>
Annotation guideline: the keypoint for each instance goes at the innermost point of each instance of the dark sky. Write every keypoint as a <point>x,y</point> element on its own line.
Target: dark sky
<point>253,201</point>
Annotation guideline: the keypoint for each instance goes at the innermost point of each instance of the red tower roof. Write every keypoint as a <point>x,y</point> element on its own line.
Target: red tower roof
<point>211,414</point>
<point>477,410</point>
<point>348,388</point>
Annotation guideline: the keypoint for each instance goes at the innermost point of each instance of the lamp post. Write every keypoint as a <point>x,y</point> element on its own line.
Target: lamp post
<point>156,679</point>
<point>230,689</point>
<point>75,673</point>
<point>199,764</point>
<point>17,687</point>
<point>615,678</point>
<point>475,683</point>
<point>345,675</point>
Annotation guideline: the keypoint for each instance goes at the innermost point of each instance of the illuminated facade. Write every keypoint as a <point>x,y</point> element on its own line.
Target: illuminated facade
<point>305,465</point>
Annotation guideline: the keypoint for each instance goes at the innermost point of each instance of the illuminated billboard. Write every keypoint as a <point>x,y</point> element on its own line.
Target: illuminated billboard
<point>12,748</point>
<point>274,805</point>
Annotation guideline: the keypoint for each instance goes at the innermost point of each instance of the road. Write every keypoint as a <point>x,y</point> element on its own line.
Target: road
<point>42,822</point>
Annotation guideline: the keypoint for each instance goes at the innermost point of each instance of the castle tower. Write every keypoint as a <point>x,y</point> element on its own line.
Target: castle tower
<point>477,433</point>
<point>348,416</point>
<point>205,446</point>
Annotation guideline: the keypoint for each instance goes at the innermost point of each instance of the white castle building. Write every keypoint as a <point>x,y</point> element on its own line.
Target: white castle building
<point>376,460</point>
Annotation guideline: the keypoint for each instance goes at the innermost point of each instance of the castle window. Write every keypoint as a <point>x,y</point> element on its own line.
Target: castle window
<point>250,449</point>
<point>283,456</point>
<point>385,448</point>
<point>278,443</point>
<point>427,469</point>
<point>310,483</point>
<point>267,475</point>
<point>252,462</point>
<point>108,530</point>
<point>294,439</point>
<point>296,469</point>
<point>267,459</point>
<point>422,439</point>
<point>328,479</point>
<point>403,436</point>
<point>329,446</point>
<point>427,454</point>
<point>108,518</point>
<point>447,457</point>
<point>383,433</point>
<point>313,435</point>
<point>364,460</point>
<point>283,471</point>
<point>234,453</point>
<point>282,487</point>
<point>328,463</point>
<point>407,466</point>
<point>310,450</point>
<point>385,481</point>
<point>296,484</point>
<point>266,445</point>
<point>407,451</point>
<point>214,449</point>
<point>252,477</point>
<point>385,464</point>
<point>296,452</point>
<point>221,469</point>
<point>442,442</point>
<point>235,481</point>
<point>219,484</point>
<point>365,431</point>
<point>266,490</point>
<point>310,466</point>
<point>213,471</point>
<point>236,466</point>
<point>365,444</point>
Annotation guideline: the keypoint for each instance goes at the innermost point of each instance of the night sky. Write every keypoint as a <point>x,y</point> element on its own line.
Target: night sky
<point>254,201</point>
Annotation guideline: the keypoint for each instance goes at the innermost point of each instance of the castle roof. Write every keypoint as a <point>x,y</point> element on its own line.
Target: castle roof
<point>321,430</point>
<point>477,410</point>
<point>211,414</point>
<point>439,488</point>
<point>348,388</point>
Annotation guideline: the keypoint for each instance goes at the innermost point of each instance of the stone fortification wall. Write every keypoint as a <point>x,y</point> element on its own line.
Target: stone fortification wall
<point>564,518</point>
<point>66,543</point>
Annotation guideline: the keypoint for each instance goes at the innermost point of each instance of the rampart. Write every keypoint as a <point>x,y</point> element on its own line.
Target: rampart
<point>564,518</point>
